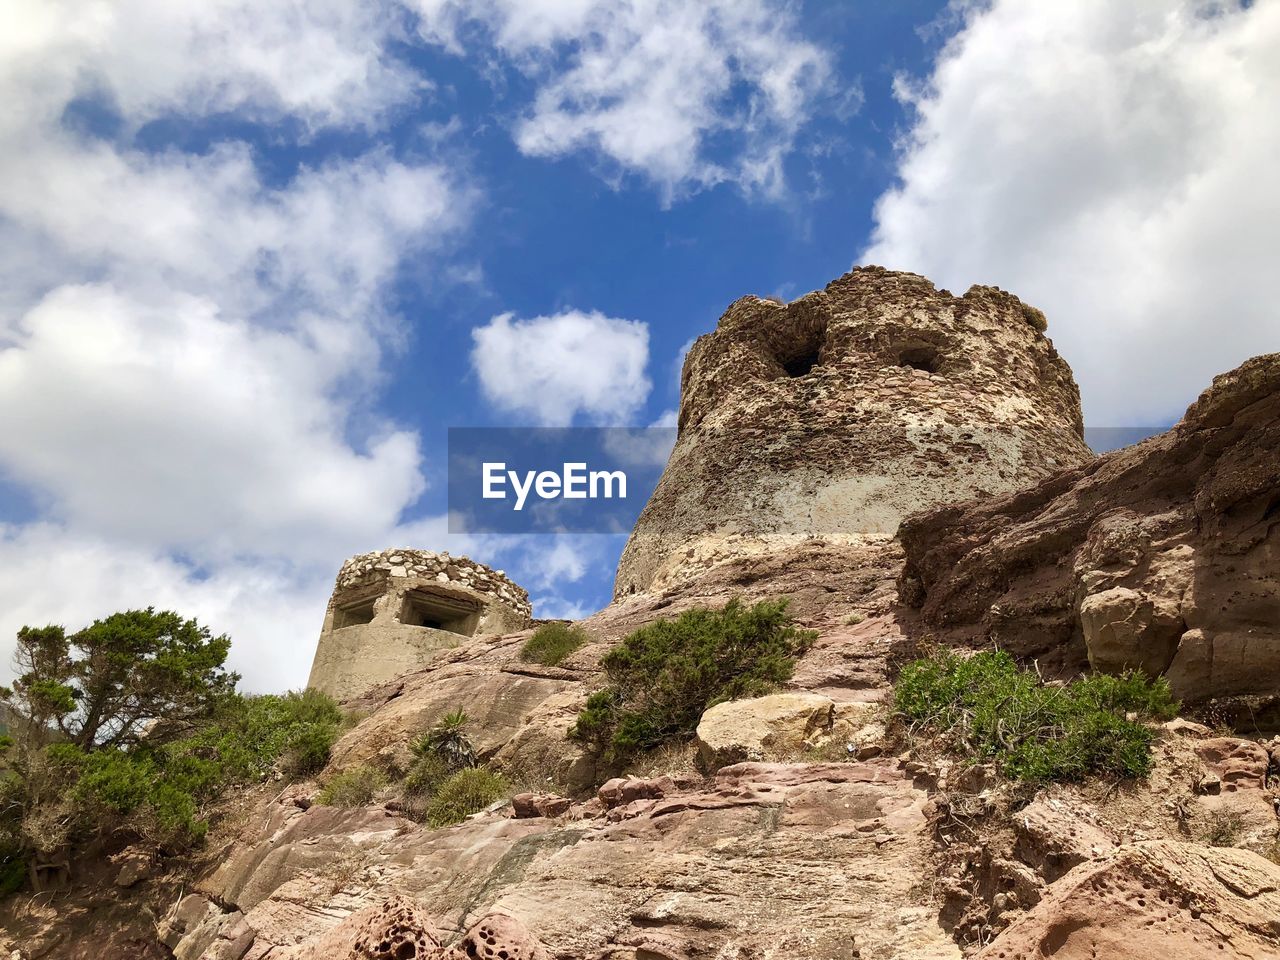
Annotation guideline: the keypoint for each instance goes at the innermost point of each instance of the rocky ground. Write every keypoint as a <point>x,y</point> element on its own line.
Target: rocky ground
<point>800,824</point>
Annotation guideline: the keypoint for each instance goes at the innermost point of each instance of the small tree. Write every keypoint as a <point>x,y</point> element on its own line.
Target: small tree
<point>134,723</point>
<point>133,674</point>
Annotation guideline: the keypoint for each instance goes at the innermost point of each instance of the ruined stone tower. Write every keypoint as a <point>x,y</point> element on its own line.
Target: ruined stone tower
<point>391,611</point>
<point>838,414</point>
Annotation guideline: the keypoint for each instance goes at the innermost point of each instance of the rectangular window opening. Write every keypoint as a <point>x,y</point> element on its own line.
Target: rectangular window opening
<point>438,612</point>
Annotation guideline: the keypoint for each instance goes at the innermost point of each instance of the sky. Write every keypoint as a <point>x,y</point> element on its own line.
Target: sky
<point>256,259</point>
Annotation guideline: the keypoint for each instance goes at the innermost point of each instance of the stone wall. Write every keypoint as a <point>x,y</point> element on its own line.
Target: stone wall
<point>835,416</point>
<point>393,610</point>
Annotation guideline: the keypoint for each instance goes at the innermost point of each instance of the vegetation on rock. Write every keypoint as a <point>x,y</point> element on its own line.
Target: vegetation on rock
<point>987,708</point>
<point>666,674</point>
<point>464,793</point>
<point>133,724</point>
<point>551,643</point>
<point>353,787</point>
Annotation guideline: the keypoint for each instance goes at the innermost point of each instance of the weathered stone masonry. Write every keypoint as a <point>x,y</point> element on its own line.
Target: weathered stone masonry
<point>840,413</point>
<point>391,611</point>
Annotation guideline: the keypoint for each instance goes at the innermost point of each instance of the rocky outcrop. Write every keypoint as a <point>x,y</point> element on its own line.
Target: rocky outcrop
<point>1156,899</point>
<point>837,414</point>
<point>784,725</point>
<point>399,929</point>
<point>776,859</point>
<point>1164,556</point>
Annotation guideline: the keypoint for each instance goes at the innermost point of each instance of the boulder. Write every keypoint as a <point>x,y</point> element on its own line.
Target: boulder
<point>1125,629</point>
<point>1157,899</point>
<point>539,805</point>
<point>774,726</point>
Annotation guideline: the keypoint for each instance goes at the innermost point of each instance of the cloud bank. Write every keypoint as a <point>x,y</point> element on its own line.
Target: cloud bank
<point>1112,163</point>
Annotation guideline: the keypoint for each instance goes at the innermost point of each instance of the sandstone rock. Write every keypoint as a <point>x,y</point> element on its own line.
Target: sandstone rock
<point>1125,629</point>
<point>397,929</point>
<point>1235,764</point>
<point>691,869</point>
<point>1186,525</point>
<point>1158,899</point>
<point>834,416</point>
<point>1182,727</point>
<point>135,865</point>
<point>771,726</point>
<point>498,936</point>
<point>539,805</point>
<point>1056,834</point>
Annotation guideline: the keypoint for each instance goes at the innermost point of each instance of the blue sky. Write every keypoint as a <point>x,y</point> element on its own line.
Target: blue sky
<point>257,259</point>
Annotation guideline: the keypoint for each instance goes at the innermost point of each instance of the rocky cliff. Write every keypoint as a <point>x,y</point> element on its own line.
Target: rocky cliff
<point>1164,556</point>
<point>802,824</point>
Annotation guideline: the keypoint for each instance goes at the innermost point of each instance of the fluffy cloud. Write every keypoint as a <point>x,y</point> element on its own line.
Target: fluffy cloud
<point>655,87</point>
<point>570,364</point>
<point>187,348</point>
<point>1113,164</point>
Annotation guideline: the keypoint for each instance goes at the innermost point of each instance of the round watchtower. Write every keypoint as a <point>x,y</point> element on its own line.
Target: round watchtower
<point>838,414</point>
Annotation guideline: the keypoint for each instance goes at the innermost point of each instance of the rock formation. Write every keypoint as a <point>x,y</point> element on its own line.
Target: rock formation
<point>840,413</point>
<point>1163,556</point>
<point>391,611</point>
<point>799,823</point>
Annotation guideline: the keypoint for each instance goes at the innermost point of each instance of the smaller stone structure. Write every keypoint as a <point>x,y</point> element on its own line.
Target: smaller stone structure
<point>392,611</point>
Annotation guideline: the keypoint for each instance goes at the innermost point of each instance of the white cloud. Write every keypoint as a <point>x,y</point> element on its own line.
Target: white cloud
<point>187,349</point>
<point>272,612</point>
<point>1113,164</point>
<point>649,85</point>
<point>556,368</point>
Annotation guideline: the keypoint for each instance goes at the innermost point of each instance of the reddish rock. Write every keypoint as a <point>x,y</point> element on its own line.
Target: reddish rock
<point>539,805</point>
<point>1163,556</point>
<point>1158,899</point>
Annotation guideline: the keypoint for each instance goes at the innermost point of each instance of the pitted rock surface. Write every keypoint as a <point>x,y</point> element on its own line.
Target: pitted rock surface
<point>838,414</point>
<point>1157,899</point>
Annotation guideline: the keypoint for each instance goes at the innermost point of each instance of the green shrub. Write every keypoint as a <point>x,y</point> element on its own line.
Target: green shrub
<point>665,675</point>
<point>447,740</point>
<point>425,775</point>
<point>989,708</point>
<point>464,793</point>
<point>551,643</point>
<point>353,787</point>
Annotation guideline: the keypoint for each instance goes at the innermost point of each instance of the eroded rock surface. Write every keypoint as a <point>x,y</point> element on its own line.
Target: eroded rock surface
<point>1163,556</point>
<point>839,413</point>
<point>1156,899</point>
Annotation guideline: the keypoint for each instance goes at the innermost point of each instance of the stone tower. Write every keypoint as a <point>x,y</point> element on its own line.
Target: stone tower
<point>390,612</point>
<point>838,414</point>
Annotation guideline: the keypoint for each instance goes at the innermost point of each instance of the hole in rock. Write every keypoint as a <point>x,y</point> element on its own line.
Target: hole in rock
<point>921,357</point>
<point>799,366</point>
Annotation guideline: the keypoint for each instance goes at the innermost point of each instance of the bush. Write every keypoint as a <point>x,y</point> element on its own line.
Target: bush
<point>551,643</point>
<point>464,793</point>
<point>664,676</point>
<point>989,708</point>
<point>353,787</point>
<point>160,790</point>
<point>447,740</point>
<point>425,775</point>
